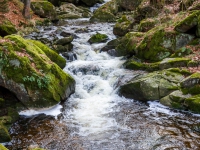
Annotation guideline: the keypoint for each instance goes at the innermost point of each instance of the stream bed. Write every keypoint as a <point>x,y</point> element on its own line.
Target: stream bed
<point>95,117</point>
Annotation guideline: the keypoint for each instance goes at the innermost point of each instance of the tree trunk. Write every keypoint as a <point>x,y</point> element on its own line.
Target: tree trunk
<point>26,10</point>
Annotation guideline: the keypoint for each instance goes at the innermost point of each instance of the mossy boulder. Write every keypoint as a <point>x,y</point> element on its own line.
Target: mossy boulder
<point>4,6</point>
<point>98,38</point>
<point>122,26</point>
<point>175,100</point>
<point>155,45</point>
<point>70,11</point>
<point>55,57</point>
<point>91,3</point>
<point>191,84</point>
<point>129,5</point>
<point>190,23</point>
<point>7,28</point>
<point>65,40</point>
<point>3,147</point>
<point>128,44</point>
<point>147,24</point>
<point>63,48</point>
<point>152,86</point>
<point>193,103</point>
<point>31,75</point>
<point>106,13</point>
<point>44,9</point>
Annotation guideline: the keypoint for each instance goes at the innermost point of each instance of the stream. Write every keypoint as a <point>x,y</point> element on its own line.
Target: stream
<point>95,117</point>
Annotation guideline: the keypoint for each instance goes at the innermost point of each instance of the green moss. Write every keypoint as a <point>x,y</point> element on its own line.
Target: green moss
<point>97,38</point>
<point>7,28</point>
<point>60,61</point>
<point>2,102</point>
<point>4,135</point>
<point>193,103</point>
<point>29,66</point>
<point>2,147</point>
<point>147,24</point>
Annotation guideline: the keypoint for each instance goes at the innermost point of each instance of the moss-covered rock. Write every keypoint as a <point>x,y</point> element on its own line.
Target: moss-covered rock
<point>175,100</point>
<point>7,28</point>
<point>106,13</point>
<point>56,58</point>
<point>3,147</point>
<point>4,135</point>
<point>152,86</point>
<point>65,48</point>
<point>129,5</point>
<point>91,3</point>
<point>70,11</point>
<point>4,6</point>
<point>193,103</point>
<point>44,9</point>
<point>29,73</point>
<point>128,44</point>
<point>98,38</point>
<point>191,84</point>
<point>122,26</point>
<point>65,40</point>
<point>147,24</point>
<point>189,22</point>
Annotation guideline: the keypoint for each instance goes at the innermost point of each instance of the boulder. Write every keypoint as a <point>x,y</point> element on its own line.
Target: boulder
<point>106,13</point>
<point>91,2</point>
<point>44,9</point>
<point>193,103</point>
<point>7,28</point>
<point>129,5</point>
<point>4,6</point>
<point>55,57</point>
<point>98,38</point>
<point>175,100</point>
<point>2,147</point>
<point>70,11</point>
<point>31,75</point>
<point>152,86</point>
<point>65,40</point>
<point>191,84</point>
<point>153,45</point>
<point>189,23</point>
<point>147,24</point>
<point>65,48</point>
<point>122,26</point>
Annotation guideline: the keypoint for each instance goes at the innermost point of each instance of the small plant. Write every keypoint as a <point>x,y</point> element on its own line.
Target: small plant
<point>41,81</point>
<point>3,57</point>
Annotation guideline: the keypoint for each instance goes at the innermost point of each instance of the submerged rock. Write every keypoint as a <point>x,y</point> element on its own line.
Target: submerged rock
<point>31,75</point>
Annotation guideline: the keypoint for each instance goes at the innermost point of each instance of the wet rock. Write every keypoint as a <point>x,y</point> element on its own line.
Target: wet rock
<point>152,86</point>
<point>35,77</point>
<point>98,38</point>
<point>65,40</point>
<point>106,13</point>
<point>110,45</point>
<point>65,34</point>
<point>65,48</point>
<point>44,9</point>
<point>70,56</point>
<point>175,100</point>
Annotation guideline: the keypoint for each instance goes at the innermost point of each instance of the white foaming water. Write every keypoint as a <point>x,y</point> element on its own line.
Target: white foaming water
<point>53,111</point>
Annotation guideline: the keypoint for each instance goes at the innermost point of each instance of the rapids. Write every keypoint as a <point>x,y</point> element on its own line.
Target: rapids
<point>95,117</point>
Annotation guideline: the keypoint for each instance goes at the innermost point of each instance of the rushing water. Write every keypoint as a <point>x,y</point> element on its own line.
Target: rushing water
<point>95,117</point>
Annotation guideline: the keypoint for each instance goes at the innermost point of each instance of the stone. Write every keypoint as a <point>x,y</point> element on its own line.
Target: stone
<point>151,86</point>
<point>106,13</point>
<point>7,28</point>
<point>35,78</point>
<point>98,38</point>
<point>122,26</point>
<point>129,5</point>
<point>65,40</point>
<point>44,9</point>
